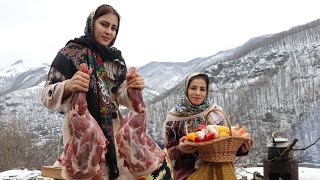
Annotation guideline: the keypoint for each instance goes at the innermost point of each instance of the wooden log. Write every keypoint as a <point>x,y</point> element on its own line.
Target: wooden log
<point>51,171</point>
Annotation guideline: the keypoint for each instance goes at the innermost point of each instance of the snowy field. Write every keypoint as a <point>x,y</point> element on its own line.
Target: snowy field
<point>20,174</point>
<point>304,173</point>
<point>24,174</point>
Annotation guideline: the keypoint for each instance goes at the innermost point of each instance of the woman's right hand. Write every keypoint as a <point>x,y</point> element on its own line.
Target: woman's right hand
<point>78,82</point>
<point>185,148</point>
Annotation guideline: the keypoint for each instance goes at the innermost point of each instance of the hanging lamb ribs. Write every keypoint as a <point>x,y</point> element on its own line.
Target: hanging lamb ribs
<point>140,152</point>
<point>86,148</point>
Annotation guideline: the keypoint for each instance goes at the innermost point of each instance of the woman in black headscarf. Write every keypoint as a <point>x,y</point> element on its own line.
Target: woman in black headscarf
<point>106,87</point>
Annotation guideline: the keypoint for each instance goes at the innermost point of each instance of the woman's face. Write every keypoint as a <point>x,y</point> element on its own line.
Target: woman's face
<point>105,29</point>
<point>197,91</point>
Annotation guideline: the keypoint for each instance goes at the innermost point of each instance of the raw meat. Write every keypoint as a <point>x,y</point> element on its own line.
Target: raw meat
<point>141,153</point>
<point>86,148</point>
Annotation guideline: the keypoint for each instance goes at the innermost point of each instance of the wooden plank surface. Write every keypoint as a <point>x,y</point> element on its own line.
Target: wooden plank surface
<point>51,171</point>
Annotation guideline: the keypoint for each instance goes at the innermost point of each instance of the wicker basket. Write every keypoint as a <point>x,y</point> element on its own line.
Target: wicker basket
<point>222,149</point>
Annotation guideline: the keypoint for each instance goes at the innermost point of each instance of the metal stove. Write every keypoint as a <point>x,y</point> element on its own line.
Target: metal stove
<point>280,164</point>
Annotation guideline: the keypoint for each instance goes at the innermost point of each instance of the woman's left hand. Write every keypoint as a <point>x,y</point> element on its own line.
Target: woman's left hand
<point>246,146</point>
<point>134,79</point>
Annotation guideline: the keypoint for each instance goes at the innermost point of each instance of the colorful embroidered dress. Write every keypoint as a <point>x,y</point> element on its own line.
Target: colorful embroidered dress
<point>182,119</point>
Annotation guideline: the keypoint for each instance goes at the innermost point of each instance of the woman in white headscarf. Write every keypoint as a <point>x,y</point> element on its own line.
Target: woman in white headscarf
<point>184,118</point>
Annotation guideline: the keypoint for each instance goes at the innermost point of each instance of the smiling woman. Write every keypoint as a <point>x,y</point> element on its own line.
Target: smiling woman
<point>198,89</point>
<point>106,26</point>
<point>181,121</point>
<point>91,65</point>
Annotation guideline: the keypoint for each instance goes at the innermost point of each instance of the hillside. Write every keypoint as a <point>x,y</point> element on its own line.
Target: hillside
<point>270,83</point>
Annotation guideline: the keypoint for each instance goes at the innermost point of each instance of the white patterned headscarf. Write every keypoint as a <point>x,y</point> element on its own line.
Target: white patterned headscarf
<point>185,107</point>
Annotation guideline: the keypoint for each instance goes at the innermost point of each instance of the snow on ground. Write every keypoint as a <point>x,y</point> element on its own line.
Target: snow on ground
<point>25,174</point>
<point>304,173</point>
<point>19,174</point>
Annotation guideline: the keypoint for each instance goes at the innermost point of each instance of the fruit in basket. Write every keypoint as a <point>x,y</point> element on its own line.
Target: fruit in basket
<point>237,131</point>
<point>210,136</point>
<point>201,127</point>
<point>201,134</point>
<point>213,129</point>
<point>206,133</point>
<point>191,136</point>
<point>223,129</point>
<point>246,135</point>
<point>223,134</point>
<point>199,140</point>
<point>242,130</point>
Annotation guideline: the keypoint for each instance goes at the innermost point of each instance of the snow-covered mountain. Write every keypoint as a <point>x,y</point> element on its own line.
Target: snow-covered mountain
<point>162,76</point>
<point>21,75</point>
<point>270,83</point>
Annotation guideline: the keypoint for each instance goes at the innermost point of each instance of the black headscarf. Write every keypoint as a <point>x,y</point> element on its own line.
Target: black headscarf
<point>87,50</point>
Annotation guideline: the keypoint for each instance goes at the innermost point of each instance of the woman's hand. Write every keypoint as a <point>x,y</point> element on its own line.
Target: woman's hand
<point>134,79</point>
<point>186,148</point>
<point>246,146</point>
<point>78,82</point>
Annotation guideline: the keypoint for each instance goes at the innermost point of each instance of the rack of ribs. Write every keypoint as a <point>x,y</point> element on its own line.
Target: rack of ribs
<point>140,152</point>
<point>86,148</point>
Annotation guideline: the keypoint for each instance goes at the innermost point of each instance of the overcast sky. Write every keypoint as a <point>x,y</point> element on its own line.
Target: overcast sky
<point>163,30</point>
